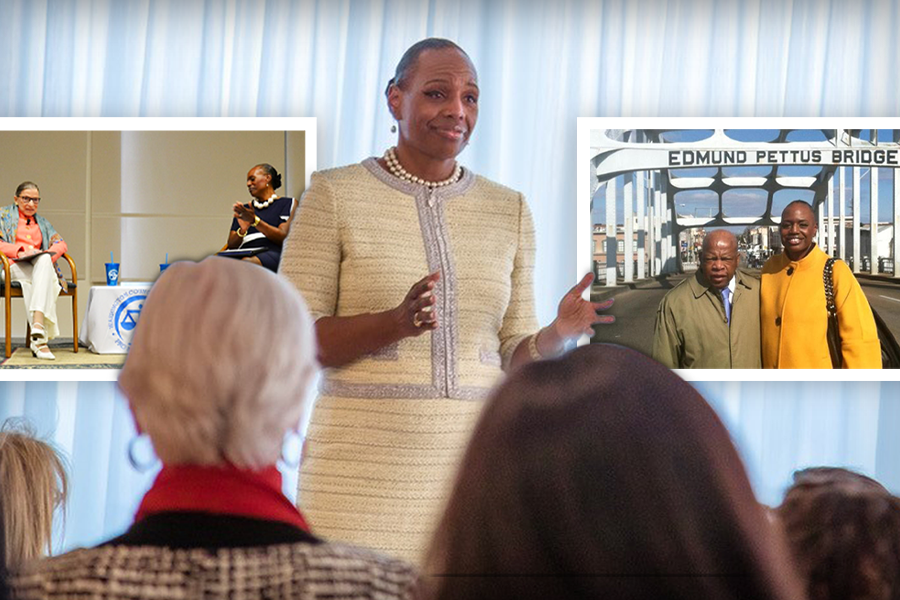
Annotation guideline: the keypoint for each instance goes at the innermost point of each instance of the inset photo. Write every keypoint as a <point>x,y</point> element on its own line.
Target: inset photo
<point>98,208</point>
<point>733,244</point>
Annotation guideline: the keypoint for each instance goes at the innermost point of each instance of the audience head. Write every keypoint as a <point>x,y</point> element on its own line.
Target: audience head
<point>844,531</point>
<point>220,364</point>
<point>33,484</point>
<point>603,475</point>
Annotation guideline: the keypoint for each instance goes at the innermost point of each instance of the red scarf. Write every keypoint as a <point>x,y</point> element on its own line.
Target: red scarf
<point>221,490</point>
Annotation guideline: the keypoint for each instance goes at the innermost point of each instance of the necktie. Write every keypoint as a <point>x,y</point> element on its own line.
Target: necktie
<point>726,298</point>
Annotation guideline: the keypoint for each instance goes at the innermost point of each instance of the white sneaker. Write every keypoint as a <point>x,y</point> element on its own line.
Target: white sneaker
<point>36,350</point>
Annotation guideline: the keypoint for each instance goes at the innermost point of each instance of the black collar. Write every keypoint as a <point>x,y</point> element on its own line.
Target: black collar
<point>205,530</point>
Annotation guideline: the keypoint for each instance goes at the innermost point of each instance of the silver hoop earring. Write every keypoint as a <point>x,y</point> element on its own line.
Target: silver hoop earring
<point>394,128</point>
<point>290,456</point>
<point>140,467</point>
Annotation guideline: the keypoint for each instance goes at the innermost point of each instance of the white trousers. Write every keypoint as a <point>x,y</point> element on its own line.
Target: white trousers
<point>40,288</point>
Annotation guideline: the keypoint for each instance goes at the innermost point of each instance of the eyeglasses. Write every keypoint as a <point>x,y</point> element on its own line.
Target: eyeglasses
<point>27,200</point>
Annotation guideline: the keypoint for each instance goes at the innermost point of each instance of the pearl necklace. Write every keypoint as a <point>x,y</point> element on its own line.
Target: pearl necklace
<point>397,170</point>
<point>261,205</point>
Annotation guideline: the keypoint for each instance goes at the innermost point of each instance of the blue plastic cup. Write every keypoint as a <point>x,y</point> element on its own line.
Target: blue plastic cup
<point>112,273</point>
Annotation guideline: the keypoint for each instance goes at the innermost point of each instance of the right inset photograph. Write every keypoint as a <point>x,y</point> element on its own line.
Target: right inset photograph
<point>732,246</point>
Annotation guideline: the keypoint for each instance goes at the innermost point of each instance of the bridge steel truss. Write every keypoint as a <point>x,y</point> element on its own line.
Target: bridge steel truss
<point>650,168</point>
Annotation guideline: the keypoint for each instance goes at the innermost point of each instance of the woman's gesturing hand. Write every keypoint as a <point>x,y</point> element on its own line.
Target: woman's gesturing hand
<point>415,315</point>
<point>577,316</point>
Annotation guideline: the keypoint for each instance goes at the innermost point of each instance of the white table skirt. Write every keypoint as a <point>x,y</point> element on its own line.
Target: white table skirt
<point>111,316</point>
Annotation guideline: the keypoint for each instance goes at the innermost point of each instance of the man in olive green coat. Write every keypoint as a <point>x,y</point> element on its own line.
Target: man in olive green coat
<point>711,320</point>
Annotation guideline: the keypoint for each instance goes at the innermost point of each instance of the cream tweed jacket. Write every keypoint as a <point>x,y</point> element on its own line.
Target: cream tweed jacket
<point>388,430</point>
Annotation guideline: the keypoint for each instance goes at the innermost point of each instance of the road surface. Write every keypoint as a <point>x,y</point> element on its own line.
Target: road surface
<point>635,309</point>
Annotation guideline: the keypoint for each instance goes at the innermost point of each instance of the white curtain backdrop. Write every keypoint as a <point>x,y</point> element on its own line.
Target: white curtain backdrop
<point>778,427</point>
<point>541,65</point>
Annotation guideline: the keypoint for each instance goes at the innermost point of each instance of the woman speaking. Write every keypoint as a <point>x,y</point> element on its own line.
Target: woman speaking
<point>419,275</point>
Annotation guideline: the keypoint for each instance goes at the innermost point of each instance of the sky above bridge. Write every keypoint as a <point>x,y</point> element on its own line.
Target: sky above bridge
<point>750,202</point>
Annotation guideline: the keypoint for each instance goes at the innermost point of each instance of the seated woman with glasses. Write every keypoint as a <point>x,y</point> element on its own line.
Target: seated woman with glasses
<point>216,398</point>
<point>33,247</point>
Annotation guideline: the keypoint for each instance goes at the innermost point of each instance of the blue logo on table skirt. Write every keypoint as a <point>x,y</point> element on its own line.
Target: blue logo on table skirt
<point>124,315</point>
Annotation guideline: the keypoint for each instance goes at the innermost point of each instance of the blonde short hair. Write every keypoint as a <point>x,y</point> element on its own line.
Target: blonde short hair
<point>221,363</point>
<point>33,484</point>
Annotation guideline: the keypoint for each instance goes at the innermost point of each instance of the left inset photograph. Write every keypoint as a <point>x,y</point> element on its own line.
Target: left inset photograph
<point>96,209</point>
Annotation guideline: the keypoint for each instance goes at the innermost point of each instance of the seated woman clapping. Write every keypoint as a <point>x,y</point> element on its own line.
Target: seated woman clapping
<point>216,394</point>
<point>263,223</point>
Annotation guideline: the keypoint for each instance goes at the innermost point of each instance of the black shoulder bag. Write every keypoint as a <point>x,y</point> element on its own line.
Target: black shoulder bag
<point>834,334</point>
<point>890,350</point>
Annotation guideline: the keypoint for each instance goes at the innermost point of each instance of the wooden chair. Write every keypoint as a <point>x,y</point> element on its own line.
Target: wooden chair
<point>13,289</point>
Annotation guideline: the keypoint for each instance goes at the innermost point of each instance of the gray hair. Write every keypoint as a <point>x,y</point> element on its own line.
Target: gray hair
<point>27,185</point>
<point>221,364</point>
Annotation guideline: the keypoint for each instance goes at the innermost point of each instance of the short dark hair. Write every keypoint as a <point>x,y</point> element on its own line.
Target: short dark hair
<point>844,531</point>
<point>27,185</point>
<point>603,475</point>
<point>411,57</point>
<point>835,475</point>
<point>798,201</point>
<point>271,172</point>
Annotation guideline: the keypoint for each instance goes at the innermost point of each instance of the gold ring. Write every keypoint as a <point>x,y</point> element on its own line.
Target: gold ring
<point>416,321</point>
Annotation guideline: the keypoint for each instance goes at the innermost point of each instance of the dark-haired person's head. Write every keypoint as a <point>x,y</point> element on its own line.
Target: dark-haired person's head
<point>844,531</point>
<point>262,181</point>
<point>434,98</point>
<point>603,475</point>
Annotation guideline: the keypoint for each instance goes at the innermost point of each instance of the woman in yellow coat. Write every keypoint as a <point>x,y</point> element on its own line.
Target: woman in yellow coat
<point>793,314</point>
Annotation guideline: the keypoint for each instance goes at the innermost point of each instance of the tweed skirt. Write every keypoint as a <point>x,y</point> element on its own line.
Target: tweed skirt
<point>377,472</point>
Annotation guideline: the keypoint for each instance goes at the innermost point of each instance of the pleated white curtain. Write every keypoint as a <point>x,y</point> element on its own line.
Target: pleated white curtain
<point>783,426</point>
<point>778,427</point>
<point>541,65</point>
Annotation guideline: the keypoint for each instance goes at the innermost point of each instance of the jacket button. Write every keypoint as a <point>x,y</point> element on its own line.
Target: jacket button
<point>778,321</point>
<point>790,271</point>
